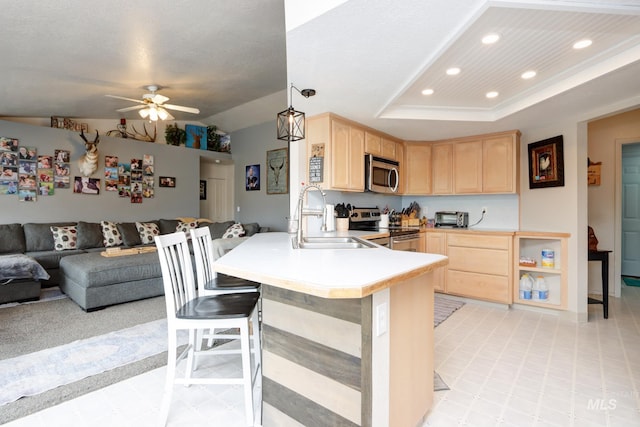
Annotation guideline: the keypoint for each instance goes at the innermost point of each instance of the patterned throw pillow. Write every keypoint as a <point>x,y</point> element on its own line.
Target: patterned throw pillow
<point>65,237</point>
<point>186,226</point>
<point>236,230</point>
<point>147,231</point>
<point>110,234</point>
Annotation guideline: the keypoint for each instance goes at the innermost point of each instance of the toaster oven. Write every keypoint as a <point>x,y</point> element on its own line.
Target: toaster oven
<point>454,219</point>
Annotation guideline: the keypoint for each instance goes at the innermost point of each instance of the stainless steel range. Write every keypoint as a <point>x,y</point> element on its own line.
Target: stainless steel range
<point>400,238</point>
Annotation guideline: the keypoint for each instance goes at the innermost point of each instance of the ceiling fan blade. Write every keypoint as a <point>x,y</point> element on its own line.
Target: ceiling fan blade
<point>135,107</point>
<point>159,99</point>
<point>126,99</point>
<point>181,108</point>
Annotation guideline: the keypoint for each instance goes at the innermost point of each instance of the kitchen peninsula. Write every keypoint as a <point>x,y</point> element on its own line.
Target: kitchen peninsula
<point>347,333</point>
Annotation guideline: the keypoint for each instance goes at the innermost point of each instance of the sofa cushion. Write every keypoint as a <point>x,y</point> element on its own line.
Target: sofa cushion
<point>129,233</point>
<point>38,237</point>
<point>217,229</point>
<point>89,235</point>
<point>12,239</point>
<point>65,238</point>
<point>236,230</point>
<point>110,234</point>
<point>50,260</point>
<point>147,232</point>
<point>168,226</point>
<point>186,227</point>
<point>251,228</point>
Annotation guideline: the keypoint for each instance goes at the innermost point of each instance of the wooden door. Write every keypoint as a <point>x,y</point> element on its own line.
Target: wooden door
<point>340,159</point>
<point>467,167</point>
<point>498,165</point>
<point>418,169</point>
<point>441,166</point>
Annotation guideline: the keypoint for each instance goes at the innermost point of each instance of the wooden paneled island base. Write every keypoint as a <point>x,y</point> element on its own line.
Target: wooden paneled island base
<point>347,334</point>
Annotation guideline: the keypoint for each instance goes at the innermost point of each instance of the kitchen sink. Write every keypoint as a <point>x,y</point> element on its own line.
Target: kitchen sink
<point>335,243</point>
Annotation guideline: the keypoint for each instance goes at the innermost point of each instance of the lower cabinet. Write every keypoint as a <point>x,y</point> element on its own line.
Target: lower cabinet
<point>436,243</point>
<point>480,265</point>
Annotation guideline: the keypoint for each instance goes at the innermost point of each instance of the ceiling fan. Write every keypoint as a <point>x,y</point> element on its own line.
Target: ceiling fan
<point>153,105</point>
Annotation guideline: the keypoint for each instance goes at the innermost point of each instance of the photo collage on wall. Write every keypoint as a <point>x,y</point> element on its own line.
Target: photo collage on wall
<point>133,180</point>
<point>62,170</point>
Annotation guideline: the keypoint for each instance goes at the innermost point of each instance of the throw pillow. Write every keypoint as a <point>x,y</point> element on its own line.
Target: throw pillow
<point>186,226</point>
<point>129,233</point>
<point>89,235</point>
<point>110,234</point>
<point>236,230</point>
<point>217,229</point>
<point>147,231</point>
<point>64,237</point>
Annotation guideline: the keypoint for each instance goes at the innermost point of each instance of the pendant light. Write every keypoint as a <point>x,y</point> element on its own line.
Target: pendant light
<point>290,121</point>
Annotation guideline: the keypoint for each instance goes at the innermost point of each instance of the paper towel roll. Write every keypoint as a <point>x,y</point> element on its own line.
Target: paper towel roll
<point>384,221</point>
<point>329,213</point>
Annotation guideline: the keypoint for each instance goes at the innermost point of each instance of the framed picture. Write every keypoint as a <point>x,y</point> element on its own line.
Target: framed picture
<point>546,163</point>
<point>86,185</point>
<point>168,181</point>
<point>196,137</point>
<point>252,178</point>
<point>203,189</point>
<point>278,171</point>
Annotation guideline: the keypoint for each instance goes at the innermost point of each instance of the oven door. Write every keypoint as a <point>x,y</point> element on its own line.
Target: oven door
<point>406,242</point>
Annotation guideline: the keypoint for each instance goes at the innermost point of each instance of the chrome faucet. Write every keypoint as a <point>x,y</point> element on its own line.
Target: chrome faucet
<point>310,212</point>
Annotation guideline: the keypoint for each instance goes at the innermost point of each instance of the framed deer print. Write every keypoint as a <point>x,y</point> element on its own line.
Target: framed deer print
<point>278,171</point>
<point>196,137</point>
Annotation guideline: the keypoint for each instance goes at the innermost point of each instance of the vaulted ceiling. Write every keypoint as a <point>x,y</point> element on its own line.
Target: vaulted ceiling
<point>368,60</point>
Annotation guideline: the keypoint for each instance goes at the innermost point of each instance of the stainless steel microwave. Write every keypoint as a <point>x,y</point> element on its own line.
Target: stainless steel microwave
<point>381,175</point>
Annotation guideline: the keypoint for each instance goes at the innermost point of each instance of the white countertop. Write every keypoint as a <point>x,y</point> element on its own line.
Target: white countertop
<point>331,273</point>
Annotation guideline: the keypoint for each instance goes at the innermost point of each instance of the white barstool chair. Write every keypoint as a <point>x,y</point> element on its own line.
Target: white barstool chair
<point>188,311</point>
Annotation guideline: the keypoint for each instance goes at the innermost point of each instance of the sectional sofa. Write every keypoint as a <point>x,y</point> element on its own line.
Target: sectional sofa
<point>70,254</point>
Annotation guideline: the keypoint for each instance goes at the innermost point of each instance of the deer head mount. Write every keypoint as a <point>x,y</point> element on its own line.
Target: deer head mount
<point>88,162</point>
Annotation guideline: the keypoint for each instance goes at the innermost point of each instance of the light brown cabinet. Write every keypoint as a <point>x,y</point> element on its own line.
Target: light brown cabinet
<point>436,243</point>
<point>487,164</point>
<point>442,168</point>
<point>380,146</point>
<point>480,266</point>
<point>417,168</point>
<point>342,147</point>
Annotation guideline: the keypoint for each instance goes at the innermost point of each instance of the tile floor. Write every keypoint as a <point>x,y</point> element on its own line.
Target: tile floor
<point>504,368</point>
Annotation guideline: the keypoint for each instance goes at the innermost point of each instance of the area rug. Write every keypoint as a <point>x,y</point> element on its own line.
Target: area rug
<point>443,308</point>
<point>631,281</point>
<point>44,370</point>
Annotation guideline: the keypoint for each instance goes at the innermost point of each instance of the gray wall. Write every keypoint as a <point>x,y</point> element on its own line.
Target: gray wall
<point>180,162</point>
<point>249,146</point>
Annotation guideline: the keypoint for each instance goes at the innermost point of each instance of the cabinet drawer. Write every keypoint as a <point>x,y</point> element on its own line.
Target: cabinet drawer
<point>487,261</point>
<point>479,241</point>
<point>481,286</point>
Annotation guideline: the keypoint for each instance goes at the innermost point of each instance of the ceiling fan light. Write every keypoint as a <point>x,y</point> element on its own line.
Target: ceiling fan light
<point>144,113</point>
<point>153,114</point>
<point>162,113</point>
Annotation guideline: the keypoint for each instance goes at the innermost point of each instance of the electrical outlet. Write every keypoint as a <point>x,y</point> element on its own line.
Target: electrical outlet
<point>484,210</point>
<point>382,319</point>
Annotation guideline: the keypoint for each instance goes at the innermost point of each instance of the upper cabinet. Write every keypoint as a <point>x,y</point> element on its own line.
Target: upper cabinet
<point>338,146</point>
<point>380,146</point>
<point>417,168</point>
<point>487,164</point>
<point>442,168</point>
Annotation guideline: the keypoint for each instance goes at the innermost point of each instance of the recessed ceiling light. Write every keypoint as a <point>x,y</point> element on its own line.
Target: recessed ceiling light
<point>427,92</point>
<point>490,38</point>
<point>582,44</point>
<point>528,74</point>
<point>492,94</point>
<point>453,71</point>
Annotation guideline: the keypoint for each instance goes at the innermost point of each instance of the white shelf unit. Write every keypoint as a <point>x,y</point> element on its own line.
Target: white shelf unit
<point>530,245</point>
